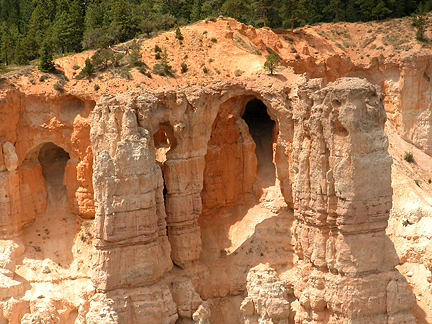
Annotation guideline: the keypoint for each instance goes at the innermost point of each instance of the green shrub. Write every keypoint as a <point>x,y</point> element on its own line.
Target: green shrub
<point>238,73</point>
<point>96,87</point>
<point>59,86</point>
<point>184,68</point>
<point>158,56</point>
<point>159,69</point>
<point>87,70</point>
<point>76,67</point>
<point>205,70</point>
<point>142,69</point>
<point>43,77</point>
<point>179,35</point>
<point>409,157</point>
<point>157,49</point>
<point>105,58</point>
<point>125,73</point>
<point>163,68</point>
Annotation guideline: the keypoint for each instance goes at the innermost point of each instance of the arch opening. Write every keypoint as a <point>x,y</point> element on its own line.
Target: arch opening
<point>53,160</point>
<point>164,141</point>
<point>263,131</point>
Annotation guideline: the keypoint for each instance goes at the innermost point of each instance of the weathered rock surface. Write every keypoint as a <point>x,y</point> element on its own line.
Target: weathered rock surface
<point>346,263</point>
<point>191,196</point>
<point>335,147</point>
<point>266,300</point>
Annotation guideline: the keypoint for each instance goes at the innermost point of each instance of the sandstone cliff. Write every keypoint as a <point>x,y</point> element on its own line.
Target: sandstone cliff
<point>225,196</point>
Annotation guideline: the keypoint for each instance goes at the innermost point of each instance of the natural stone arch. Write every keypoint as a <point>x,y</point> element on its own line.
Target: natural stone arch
<point>164,141</point>
<point>53,160</point>
<point>264,133</point>
<point>231,161</point>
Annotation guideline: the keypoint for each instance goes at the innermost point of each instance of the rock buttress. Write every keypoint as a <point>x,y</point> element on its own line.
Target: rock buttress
<point>345,272</point>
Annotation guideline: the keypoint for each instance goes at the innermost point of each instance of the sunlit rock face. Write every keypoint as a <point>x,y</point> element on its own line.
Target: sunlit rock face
<point>166,158</point>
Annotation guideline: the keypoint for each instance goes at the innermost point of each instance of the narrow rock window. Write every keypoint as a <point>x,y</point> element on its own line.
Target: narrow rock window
<point>261,127</point>
<point>53,160</point>
<point>164,140</point>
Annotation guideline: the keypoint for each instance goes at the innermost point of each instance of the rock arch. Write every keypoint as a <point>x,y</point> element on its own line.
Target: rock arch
<point>323,173</point>
<point>53,160</point>
<point>264,133</point>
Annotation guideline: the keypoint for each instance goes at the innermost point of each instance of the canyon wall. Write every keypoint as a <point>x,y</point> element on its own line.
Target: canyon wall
<point>330,148</point>
<point>199,214</point>
<point>29,122</point>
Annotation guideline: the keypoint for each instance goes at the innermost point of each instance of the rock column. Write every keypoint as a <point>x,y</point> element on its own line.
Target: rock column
<point>342,201</point>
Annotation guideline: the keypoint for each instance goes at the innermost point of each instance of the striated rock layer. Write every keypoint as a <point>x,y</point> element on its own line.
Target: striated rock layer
<point>253,200</point>
<point>345,272</point>
<point>164,157</point>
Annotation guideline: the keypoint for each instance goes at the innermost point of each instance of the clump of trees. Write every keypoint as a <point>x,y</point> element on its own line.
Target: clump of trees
<point>73,25</point>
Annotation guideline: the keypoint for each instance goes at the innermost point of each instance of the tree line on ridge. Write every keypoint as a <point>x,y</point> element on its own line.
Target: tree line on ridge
<point>29,27</point>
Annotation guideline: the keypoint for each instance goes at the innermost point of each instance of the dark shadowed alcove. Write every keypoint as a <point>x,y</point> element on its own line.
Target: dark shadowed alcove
<point>261,127</point>
<point>53,160</point>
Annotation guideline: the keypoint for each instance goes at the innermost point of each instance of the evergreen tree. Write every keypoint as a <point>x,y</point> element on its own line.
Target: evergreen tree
<point>36,31</point>
<point>294,12</point>
<point>236,9</point>
<point>5,44</point>
<point>12,39</point>
<point>196,11</point>
<point>21,56</point>
<point>271,64</point>
<point>120,25</point>
<point>380,10</point>
<point>334,9</point>
<point>419,21</point>
<point>46,60</point>
<point>68,27</point>
<point>260,8</point>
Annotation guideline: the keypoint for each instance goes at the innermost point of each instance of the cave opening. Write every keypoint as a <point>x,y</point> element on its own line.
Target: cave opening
<point>53,160</point>
<point>261,128</point>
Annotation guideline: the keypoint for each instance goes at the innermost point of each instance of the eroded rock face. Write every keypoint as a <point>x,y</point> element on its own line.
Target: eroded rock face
<point>29,122</point>
<point>342,201</point>
<point>167,140</point>
<point>160,154</point>
<point>267,295</point>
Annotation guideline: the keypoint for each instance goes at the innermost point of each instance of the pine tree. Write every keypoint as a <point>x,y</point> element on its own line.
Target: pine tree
<point>380,10</point>
<point>419,21</point>
<point>46,60</point>
<point>334,9</point>
<point>235,8</point>
<point>68,27</point>
<point>5,44</point>
<point>36,31</point>
<point>271,64</point>
<point>196,11</point>
<point>294,12</point>
<point>88,68</point>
